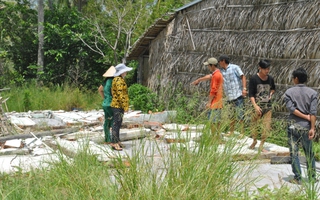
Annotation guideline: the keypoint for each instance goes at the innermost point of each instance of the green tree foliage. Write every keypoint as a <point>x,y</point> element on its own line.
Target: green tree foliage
<point>82,38</point>
<point>67,58</point>
<point>19,34</point>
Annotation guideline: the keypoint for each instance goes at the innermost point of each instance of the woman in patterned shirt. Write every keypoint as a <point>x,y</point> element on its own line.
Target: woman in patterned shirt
<point>119,103</point>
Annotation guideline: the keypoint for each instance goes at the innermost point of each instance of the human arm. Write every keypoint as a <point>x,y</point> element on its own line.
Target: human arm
<point>244,85</point>
<point>271,93</point>
<point>204,78</point>
<point>312,128</point>
<point>313,113</point>
<point>252,95</point>
<point>291,106</point>
<point>100,90</point>
<point>297,113</point>
<point>272,87</point>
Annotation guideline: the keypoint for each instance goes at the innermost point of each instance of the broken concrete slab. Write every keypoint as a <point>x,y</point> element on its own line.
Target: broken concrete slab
<point>69,118</point>
<point>49,123</point>
<point>133,134</point>
<point>80,134</point>
<point>184,136</point>
<point>286,160</point>
<point>196,127</point>
<point>160,133</point>
<point>22,121</point>
<point>78,118</point>
<point>40,151</point>
<point>175,127</point>
<point>31,142</point>
<point>14,151</point>
<point>40,134</point>
<point>24,163</point>
<point>61,119</point>
<point>17,143</point>
<point>153,125</point>
<point>162,117</point>
<point>103,152</point>
<point>190,146</point>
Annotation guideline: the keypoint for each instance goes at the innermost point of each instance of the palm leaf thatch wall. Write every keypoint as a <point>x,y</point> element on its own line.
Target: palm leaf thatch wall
<point>287,32</point>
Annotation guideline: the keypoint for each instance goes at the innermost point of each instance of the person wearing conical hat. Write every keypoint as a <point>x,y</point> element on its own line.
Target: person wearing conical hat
<point>105,93</point>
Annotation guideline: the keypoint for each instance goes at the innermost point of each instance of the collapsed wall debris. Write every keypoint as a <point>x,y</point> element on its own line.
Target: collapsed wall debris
<point>6,128</point>
<point>78,131</point>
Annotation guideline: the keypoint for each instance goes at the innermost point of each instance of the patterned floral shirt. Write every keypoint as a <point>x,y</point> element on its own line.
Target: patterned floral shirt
<point>119,90</point>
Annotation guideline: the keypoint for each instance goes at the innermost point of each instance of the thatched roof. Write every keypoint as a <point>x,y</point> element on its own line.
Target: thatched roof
<point>141,46</point>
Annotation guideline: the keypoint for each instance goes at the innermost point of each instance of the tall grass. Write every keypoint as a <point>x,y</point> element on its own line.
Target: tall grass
<point>59,97</point>
<point>204,171</point>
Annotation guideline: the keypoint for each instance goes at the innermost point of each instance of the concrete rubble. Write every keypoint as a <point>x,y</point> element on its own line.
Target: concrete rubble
<point>41,131</point>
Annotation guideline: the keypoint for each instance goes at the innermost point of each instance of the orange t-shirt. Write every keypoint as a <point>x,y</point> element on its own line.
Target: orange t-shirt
<point>216,89</point>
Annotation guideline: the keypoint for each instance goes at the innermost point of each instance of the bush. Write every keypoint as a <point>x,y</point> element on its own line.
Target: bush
<point>142,98</point>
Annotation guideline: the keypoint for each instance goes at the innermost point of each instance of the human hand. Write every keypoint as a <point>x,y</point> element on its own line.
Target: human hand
<point>258,110</point>
<point>311,134</point>
<point>196,82</point>
<point>309,118</point>
<point>208,105</point>
<point>270,95</point>
<point>244,93</point>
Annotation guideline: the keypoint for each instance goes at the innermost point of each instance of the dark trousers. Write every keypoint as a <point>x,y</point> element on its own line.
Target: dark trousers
<point>117,121</point>
<point>294,138</point>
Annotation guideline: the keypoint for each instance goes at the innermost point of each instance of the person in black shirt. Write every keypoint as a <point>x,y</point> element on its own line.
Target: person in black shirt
<point>261,89</point>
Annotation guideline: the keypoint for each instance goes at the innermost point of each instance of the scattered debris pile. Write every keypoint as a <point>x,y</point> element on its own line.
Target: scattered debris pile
<point>6,128</point>
<point>44,132</point>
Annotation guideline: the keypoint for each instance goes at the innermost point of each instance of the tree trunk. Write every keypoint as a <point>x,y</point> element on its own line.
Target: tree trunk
<point>40,37</point>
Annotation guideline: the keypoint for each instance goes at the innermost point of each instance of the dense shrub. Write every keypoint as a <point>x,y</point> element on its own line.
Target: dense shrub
<point>142,98</point>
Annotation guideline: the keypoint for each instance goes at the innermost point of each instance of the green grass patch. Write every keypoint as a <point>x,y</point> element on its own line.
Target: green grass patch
<point>60,97</point>
<point>203,172</point>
